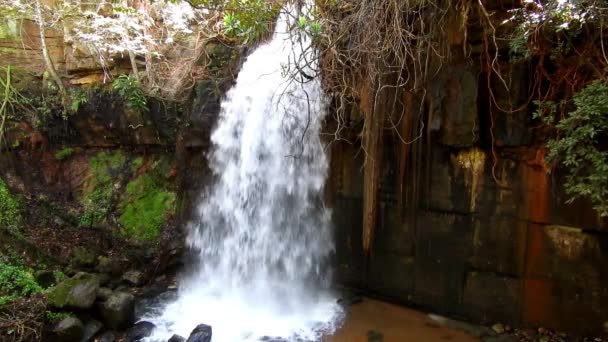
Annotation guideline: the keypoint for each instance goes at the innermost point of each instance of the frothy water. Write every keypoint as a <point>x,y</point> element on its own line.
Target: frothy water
<point>262,235</point>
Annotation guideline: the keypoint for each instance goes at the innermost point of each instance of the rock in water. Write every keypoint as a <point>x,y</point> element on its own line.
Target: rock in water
<point>118,311</point>
<point>140,330</point>
<point>78,292</point>
<point>176,338</point>
<point>202,333</point>
<point>69,329</point>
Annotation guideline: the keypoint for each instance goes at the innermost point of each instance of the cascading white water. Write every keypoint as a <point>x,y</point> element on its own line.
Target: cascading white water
<point>262,232</point>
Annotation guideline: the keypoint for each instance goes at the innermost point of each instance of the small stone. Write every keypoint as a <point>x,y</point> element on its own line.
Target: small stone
<point>542,331</point>
<point>498,328</point>
<point>107,336</point>
<point>104,293</point>
<point>176,338</point>
<point>91,328</point>
<point>69,329</point>
<point>202,333</point>
<point>139,331</point>
<point>118,311</point>
<point>133,278</point>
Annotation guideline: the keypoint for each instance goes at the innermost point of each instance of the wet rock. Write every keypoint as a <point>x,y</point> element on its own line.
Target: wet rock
<point>202,333</point>
<point>139,331</point>
<point>46,279</point>
<point>78,292</point>
<point>153,305</point>
<point>498,328</point>
<point>118,310</point>
<point>348,298</point>
<point>107,336</point>
<point>176,338</point>
<point>69,329</point>
<point>133,278</point>
<point>91,328</point>
<point>103,293</point>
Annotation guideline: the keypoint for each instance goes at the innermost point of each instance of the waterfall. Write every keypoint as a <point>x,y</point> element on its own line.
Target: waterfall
<point>262,234</point>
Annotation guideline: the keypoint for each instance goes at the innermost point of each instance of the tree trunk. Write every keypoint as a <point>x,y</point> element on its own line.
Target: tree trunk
<point>45,52</point>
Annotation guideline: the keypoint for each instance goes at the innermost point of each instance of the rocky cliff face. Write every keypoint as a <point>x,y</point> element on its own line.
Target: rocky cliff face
<point>467,219</point>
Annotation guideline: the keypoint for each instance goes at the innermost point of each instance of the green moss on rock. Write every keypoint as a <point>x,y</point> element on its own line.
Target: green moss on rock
<point>147,204</point>
<point>104,169</point>
<point>78,292</point>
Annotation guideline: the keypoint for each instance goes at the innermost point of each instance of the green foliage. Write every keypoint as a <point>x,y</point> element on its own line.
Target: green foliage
<point>97,200</point>
<point>78,98</point>
<point>16,281</point>
<point>146,204</point>
<point>578,147</point>
<point>11,210</point>
<point>129,88</point>
<point>55,317</point>
<point>310,26</point>
<point>64,153</point>
<point>561,21</point>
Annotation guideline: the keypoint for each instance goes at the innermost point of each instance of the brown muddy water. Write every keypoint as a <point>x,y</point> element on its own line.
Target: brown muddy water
<point>375,321</point>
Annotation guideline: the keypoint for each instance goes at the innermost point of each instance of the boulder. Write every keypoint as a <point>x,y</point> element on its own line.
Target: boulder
<point>176,338</point>
<point>91,328</point>
<point>78,292</point>
<point>69,329</point>
<point>202,333</point>
<point>139,330</point>
<point>118,310</point>
<point>133,278</point>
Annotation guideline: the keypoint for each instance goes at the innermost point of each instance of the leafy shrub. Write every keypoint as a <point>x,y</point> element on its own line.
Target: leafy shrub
<point>246,20</point>
<point>64,153</point>
<point>78,98</point>
<point>129,88</point>
<point>16,281</point>
<point>11,210</point>
<point>579,146</point>
<point>55,316</point>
